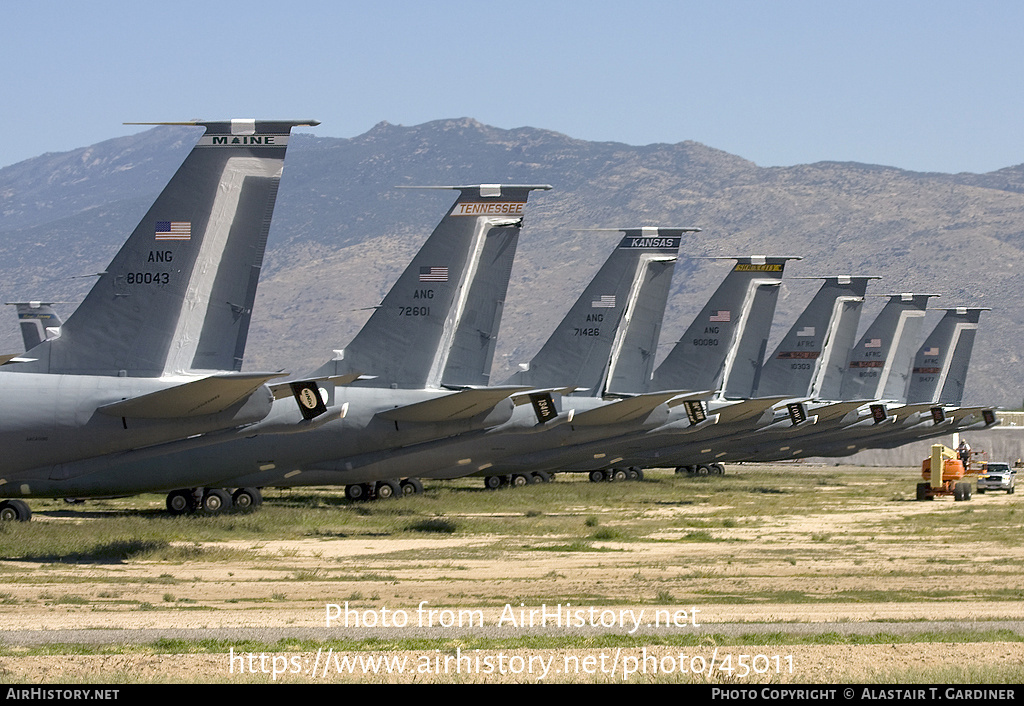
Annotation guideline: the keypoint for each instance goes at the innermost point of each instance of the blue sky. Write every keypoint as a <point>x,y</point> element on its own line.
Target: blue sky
<point>928,86</point>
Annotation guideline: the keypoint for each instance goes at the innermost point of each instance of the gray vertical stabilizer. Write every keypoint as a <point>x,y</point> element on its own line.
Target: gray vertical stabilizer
<point>608,330</point>
<point>828,324</point>
<point>743,364</point>
<point>178,296</point>
<point>438,322</point>
<point>38,322</point>
<point>940,366</point>
<point>878,367</point>
<point>713,346</point>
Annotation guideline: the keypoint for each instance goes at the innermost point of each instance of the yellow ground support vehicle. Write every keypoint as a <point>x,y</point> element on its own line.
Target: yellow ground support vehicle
<point>949,482</point>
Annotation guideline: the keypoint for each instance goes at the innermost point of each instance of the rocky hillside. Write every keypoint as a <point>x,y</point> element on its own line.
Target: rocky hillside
<point>341,233</point>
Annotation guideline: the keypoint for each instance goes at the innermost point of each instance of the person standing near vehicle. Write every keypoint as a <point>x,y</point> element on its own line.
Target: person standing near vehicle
<point>964,451</point>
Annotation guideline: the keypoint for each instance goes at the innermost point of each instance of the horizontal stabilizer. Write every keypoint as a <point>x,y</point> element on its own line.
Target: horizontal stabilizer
<point>459,405</point>
<point>909,410</point>
<point>745,409</point>
<point>682,397</point>
<point>837,410</point>
<point>624,410</point>
<point>282,390</point>
<point>525,398</point>
<point>959,415</point>
<point>207,395</point>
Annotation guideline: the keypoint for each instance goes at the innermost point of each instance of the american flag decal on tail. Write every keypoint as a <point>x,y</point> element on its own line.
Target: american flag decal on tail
<point>173,230</point>
<point>433,274</point>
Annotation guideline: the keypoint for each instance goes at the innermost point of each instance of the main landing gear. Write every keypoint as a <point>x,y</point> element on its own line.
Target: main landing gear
<point>706,469</point>
<point>617,475</point>
<point>212,501</point>
<point>384,489</point>
<point>516,480</point>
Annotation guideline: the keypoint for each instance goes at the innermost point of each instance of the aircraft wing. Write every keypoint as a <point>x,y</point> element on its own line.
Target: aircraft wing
<point>207,395</point>
<point>464,404</point>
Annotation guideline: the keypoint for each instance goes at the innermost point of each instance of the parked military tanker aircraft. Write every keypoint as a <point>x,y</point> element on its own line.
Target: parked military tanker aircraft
<point>888,336</point>
<point>804,361</point>
<point>721,350</point>
<point>931,404</point>
<point>153,353</point>
<point>842,428</point>
<point>608,335</point>
<point>531,444</point>
<point>425,352</point>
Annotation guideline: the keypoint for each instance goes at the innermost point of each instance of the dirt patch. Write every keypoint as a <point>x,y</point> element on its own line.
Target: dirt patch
<point>868,563</point>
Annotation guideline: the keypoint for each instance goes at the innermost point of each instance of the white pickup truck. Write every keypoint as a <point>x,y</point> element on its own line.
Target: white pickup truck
<point>997,476</point>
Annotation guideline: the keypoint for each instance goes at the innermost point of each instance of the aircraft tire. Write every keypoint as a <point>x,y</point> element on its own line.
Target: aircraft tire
<point>619,475</point>
<point>181,502</point>
<point>246,499</point>
<point>387,489</point>
<point>542,476</point>
<point>216,501</point>
<point>922,491</point>
<point>596,476</point>
<point>519,480</point>
<point>633,474</point>
<point>492,482</point>
<point>357,491</point>
<point>411,486</point>
<point>15,511</point>
<point>702,470</point>
<point>717,468</point>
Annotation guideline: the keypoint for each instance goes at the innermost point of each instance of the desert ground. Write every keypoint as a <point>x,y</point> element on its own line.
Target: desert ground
<point>786,573</point>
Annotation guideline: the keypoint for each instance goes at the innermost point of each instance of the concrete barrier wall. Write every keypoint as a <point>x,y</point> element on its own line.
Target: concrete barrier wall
<point>1002,443</point>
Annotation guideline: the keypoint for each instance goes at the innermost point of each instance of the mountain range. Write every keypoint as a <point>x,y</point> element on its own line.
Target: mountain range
<point>341,233</point>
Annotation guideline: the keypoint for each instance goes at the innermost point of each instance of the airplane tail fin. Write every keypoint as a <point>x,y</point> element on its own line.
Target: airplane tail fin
<point>940,366</point>
<point>437,326</point>
<point>606,336</point>
<point>178,296</point>
<point>719,341</point>
<point>743,365</point>
<point>878,367</point>
<point>38,322</point>
<point>829,322</point>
